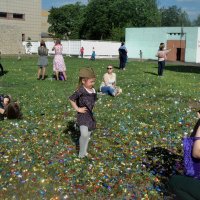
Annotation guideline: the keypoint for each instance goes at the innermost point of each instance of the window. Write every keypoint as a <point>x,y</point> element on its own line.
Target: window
<point>3,14</point>
<point>18,16</point>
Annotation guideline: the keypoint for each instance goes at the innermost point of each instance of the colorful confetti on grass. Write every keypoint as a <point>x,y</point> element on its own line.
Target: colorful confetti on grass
<point>136,147</point>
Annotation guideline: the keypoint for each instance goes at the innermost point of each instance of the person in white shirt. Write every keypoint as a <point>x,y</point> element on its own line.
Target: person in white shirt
<point>162,56</point>
<point>108,86</point>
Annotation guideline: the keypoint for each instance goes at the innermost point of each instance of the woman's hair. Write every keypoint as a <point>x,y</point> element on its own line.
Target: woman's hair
<point>8,97</point>
<point>162,46</point>
<point>195,127</point>
<point>57,41</point>
<point>12,111</point>
<point>42,43</point>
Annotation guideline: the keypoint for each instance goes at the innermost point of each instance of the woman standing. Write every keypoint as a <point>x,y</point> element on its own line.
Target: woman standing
<point>42,60</point>
<point>162,56</point>
<point>58,61</point>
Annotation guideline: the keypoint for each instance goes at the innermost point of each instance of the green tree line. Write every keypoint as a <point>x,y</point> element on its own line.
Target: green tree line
<point>107,19</point>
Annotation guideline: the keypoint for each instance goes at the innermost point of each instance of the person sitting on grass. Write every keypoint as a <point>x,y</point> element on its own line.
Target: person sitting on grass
<point>108,86</point>
<point>188,187</point>
<point>9,109</point>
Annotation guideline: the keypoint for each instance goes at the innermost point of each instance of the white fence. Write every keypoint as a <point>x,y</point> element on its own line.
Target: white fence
<point>72,47</point>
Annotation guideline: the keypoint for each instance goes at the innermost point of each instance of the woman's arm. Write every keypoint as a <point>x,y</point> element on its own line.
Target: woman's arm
<point>105,79</point>
<point>196,147</point>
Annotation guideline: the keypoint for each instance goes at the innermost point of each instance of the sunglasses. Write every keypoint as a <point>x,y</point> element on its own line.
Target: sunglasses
<point>109,68</point>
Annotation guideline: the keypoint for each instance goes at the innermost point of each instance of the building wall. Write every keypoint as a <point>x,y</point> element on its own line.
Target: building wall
<point>10,38</point>
<point>148,40</point>
<point>30,25</point>
<point>198,47</point>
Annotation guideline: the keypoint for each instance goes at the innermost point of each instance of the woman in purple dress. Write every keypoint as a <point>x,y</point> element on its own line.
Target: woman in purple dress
<point>58,61</point>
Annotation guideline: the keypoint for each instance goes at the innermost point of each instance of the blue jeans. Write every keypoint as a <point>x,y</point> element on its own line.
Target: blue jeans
<point>161,66</point>
<point>108,90</point>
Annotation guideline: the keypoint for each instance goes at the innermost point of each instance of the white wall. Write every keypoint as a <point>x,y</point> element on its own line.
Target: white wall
<point>198,47</point>
<point>72,47</point>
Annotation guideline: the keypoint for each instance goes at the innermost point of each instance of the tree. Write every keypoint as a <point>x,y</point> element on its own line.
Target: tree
<point>104,18</point>
<point>197,21</point>
<point>66,21</point>
<point>174,16</point>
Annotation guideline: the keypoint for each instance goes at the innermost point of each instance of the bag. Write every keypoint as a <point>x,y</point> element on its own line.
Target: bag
<point>191,165</point>
<point>61,76</point>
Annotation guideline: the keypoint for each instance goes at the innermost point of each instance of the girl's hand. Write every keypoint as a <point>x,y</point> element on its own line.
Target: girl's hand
<point>82,110</point>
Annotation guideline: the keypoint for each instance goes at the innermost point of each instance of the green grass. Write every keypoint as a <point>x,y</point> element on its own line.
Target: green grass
<point>135,148</point>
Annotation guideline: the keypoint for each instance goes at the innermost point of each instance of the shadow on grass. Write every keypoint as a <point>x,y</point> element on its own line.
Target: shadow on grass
<point>183,68</point>
<point>163,163</point>
<point>73,131</point>
<point>152,73</point>
<point>3,73</point>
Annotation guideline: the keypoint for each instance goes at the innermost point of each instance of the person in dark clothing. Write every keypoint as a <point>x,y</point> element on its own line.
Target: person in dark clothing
<point>122,56</point>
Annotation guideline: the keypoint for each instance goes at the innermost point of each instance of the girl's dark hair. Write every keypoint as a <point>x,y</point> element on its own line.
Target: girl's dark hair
<point>12,111</point>
<point>42,43</point>
<point>58,41</point>
<point>161,47</point>
<point>195,128</point>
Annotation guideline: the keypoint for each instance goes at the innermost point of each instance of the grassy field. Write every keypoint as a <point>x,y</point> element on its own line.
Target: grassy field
<point>135,148</point>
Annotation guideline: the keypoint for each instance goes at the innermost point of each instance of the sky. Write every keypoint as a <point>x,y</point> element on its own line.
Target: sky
<point>192,7</point>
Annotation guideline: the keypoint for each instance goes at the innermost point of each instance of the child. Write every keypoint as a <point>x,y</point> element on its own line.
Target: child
<point>93,54</point>
<point>82,52</point>
<point>8,109</point>
<point>83,101</point>
<point>162,56</point>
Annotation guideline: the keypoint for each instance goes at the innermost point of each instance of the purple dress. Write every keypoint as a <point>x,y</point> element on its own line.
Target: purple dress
<point>85,99</point>
<point>192,165</point>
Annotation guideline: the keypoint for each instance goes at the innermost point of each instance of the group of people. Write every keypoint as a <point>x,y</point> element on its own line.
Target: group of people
<point>58,61</point>
<point>83,101</point>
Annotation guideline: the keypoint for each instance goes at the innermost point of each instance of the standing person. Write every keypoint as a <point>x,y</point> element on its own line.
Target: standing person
<point>42,60</point>
<point>58,61</point>
<point>83,101</point>
<point>1,67</point>
<point>108,86</point>
<point>140,56</point>
<point>82,52</point>
<point>93,56</point>
<point>188,187</point>
<point>122,56</point>
<point>162,56</point>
